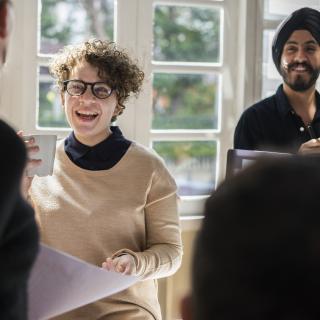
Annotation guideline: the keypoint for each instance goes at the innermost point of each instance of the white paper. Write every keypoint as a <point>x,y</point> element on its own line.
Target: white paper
<point>60,282</point>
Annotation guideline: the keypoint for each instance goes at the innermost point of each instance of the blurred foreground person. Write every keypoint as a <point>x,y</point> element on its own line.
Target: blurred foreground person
<point>18,231</point>
<point>257,255</point>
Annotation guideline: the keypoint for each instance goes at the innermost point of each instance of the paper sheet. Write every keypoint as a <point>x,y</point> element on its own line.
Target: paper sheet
<point>60,282</point>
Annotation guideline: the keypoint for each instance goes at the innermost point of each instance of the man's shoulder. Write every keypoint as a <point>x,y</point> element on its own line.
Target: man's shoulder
<point>7,132</point>
<point>12,146</point>
<point>263,104</point>
<point>5,128</point>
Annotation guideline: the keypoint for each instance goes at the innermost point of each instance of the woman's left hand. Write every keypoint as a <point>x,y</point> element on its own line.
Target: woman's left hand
<point>124,264</point>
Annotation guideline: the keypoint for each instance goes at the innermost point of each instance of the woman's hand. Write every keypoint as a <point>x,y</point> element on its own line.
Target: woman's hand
<point>124,264</point>
<point>31,163</point>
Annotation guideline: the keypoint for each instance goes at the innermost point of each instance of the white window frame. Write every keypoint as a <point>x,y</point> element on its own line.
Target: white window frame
<point>133,30</point>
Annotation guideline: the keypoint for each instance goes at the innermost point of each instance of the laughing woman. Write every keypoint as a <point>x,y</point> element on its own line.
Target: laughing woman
<point>110,201</point>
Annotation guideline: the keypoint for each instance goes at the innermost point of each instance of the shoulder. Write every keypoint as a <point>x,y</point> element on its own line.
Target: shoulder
<point>15,151</point>
<point>150,162</point>
<point>8,135</point>
<point>147,154</point>
<point>261,107</point>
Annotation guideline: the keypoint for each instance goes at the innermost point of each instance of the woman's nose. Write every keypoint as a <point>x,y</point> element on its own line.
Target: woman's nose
<point>87,94</point>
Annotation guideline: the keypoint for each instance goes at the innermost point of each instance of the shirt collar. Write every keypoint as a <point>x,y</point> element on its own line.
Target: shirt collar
<point>284,105</point>
<point>103,150</point>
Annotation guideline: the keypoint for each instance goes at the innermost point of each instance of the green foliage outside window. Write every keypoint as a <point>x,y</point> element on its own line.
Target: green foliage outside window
<point>184,101</point>
<point>181,34</point>
<point>186,34</point>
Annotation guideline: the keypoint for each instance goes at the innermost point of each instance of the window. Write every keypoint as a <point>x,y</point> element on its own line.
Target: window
<point>185,98</point>
<point>62,23</point>
<point>193,58</point>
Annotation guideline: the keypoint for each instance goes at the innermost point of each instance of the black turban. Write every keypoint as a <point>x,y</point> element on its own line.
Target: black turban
<point>301,19</point>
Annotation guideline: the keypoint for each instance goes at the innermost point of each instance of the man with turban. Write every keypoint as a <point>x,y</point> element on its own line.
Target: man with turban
<point>288,121</point>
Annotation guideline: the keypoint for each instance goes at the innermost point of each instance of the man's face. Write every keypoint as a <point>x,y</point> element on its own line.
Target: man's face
<point>300,61</point>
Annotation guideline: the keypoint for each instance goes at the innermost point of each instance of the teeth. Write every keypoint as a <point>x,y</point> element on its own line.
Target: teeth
<point>87,113</point>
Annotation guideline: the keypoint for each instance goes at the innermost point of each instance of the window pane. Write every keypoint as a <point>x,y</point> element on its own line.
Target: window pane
<point>50,110</point>
<point>192,163</point>
<point>271,78</point>
<point>72,21</point>
<point>275,9</point>
<point>190,34</point>
<point>185,101</point>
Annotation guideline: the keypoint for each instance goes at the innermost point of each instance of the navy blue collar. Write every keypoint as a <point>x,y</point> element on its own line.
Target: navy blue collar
<point>103,155</point>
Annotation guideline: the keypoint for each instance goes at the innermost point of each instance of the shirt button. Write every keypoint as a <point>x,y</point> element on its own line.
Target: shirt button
<point>301,129</point>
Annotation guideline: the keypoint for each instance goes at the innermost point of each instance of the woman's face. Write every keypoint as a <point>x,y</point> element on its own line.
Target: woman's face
<point>89,116</point>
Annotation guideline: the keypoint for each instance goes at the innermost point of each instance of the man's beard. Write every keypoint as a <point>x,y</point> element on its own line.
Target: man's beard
<point>300,83</point>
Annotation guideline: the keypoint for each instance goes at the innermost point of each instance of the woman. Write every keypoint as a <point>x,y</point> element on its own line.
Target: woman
<point>110,201</point>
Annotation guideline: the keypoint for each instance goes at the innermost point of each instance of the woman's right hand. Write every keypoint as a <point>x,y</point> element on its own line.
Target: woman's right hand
<point>31,163</point>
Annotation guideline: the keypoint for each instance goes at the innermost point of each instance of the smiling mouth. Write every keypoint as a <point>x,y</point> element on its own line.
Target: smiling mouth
<point>300,68</point>
<point>86,115</point>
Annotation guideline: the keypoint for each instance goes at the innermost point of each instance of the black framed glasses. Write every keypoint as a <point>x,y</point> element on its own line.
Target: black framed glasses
<point>101,90</point>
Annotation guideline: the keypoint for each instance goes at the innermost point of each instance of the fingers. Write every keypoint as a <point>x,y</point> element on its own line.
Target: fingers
<point>108,265</point>
<point>29,142</point>
<point>123,264</point>
<point>128,270</point>
<point>115,265</point>
<point>32,150</point>
<point>313,143</point>
<point>311,146</point>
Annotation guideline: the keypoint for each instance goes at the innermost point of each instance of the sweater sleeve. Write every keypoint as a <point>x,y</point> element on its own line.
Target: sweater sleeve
<point>163,253</point>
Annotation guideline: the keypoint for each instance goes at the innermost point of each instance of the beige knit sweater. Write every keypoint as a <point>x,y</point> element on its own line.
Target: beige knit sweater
<point>92,215</point>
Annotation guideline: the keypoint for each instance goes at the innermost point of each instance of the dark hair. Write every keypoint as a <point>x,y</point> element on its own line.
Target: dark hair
<point>257,255</point>
<point>5,1</point>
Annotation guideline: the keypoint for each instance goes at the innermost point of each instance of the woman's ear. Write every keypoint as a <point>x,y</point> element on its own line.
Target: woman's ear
<point>62,99</point>
<point>117,111</point>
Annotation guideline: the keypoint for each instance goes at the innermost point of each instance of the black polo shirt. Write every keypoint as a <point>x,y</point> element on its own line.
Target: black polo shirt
<point>273,125</point>
<point>102,156</point>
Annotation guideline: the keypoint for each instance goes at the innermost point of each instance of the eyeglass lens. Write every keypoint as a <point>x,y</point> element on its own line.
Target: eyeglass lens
<point>99,89</point>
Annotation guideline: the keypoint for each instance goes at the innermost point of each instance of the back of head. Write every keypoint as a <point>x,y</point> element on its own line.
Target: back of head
<point>257,255</point>
<point>301,19</point>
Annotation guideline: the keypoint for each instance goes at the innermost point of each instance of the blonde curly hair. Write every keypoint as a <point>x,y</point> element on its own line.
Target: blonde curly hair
<point>114,66</point>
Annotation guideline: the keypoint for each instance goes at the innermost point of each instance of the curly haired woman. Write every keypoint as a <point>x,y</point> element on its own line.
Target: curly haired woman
<point>110,201</point>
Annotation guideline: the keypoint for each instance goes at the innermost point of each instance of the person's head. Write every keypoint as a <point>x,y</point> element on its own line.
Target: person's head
<point>6,17</point>
<point>257,255</point>
<point>95,79</point>
<point>296,50</point>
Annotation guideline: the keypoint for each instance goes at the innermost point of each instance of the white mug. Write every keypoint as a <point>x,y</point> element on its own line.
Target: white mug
<point>47,150</point>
